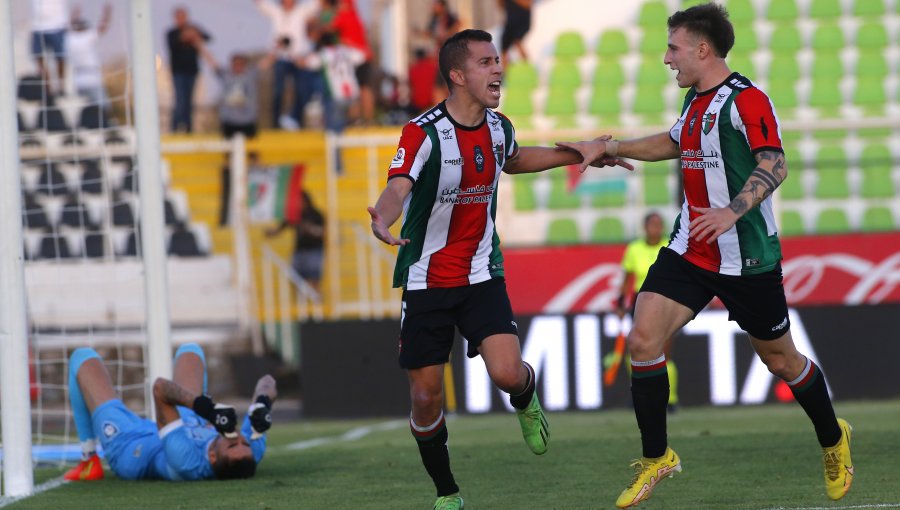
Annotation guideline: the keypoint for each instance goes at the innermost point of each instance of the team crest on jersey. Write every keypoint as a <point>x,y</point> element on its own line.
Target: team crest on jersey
<point>397,162</point>
<point>498,153</point>
<point>447,134</point>
<point>479,159</point>
<point>709,120</point>
<point>494,124</point>
<point>110,430</point>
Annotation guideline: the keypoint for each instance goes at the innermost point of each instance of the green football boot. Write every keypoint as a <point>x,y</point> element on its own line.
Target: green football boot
<point>451,502</point>
<point>535,429</point>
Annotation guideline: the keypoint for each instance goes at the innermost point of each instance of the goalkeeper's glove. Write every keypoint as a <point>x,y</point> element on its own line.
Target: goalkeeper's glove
<point>222,416</point>
<point>260,413</point>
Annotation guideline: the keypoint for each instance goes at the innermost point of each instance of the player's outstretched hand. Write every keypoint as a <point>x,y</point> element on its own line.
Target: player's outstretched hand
<point>594,153</point>
<point>222,416</point>
<point>382,232</point>
<point>260,416</point>
<point>711,223</point>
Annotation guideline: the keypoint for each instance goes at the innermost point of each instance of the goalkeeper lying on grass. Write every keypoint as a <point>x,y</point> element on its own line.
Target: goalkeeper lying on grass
<point>193,437</point>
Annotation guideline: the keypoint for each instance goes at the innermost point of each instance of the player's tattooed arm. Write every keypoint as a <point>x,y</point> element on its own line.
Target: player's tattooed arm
<point>770,172</point>
<point>166,395</point>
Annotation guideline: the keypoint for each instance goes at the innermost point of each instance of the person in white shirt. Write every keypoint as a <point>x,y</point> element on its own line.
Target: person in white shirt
<point>289,32</point>
<point>49,20</point>
<point>84,59</point>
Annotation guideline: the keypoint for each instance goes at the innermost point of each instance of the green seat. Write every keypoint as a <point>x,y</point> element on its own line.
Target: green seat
<point>609,74</point>
<point>791,224</point>
<point>831,135</point>
<point>686,4</point>
<point>831,170</point>
<point>654,41</point>
<point>785,38</point>
<point>659,167</point>
<point>523,194</point>
<point>875,154</point>
<point>826,96</point>
<point>828,37</point>
<point>869,95</point>
<point>652,72</point>
<point>613,43</point>
<point>608,230</point>
<point>792,155</point>
<point>569,45</point>
<point>784,67</point>
<point>517,102</point>
<point>649,103</point>
<point>563,231</point>
<point>520,75</point>
<point>740,11</point>
<point>782,10</point>
<point>825,9</point>
<point>561,101</point>
<point>831,156</point>
<point>868,8</point>
<point>871,64</point>
<point>792,187</point>
<point>827,66</point>
<point>742,63</point>
<point>832,221</point>
<point>876,182</point>
<point>656,190</point>
<point>605,102</point>
<point>565,74</point>
<point>653,15</point>
<point>560,197</point>
<point>783,95</point>
<point>613,196</point>
<point>745,40</point>
<point>877,219</point>
<point>871,35</point>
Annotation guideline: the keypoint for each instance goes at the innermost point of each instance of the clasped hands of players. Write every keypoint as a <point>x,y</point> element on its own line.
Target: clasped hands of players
<point>224,418</point>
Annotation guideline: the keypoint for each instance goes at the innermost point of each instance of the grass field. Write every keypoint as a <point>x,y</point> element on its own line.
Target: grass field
<point>734,458</point>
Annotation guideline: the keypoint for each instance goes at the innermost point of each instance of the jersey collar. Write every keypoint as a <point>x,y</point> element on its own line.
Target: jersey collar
<point>457,125</point>
<point>730,77</point>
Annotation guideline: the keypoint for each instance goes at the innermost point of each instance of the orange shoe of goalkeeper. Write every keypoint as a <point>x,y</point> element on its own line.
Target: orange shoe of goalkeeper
<point>90,469</point>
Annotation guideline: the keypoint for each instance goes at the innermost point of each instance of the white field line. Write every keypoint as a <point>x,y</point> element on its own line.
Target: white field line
<point>350,435</point>
<point>46,486</point>
<point>873,505</point>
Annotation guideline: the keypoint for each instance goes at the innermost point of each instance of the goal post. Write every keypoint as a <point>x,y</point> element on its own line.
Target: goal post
<point>18,479</point>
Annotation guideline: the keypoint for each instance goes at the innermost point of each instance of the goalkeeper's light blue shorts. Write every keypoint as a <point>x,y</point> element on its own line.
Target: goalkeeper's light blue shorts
<point>131,444</point>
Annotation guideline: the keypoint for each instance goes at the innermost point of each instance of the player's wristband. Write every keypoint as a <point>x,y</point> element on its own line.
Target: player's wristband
<point>264,400</point>
<point>612,148</point>
<point>204,407</point>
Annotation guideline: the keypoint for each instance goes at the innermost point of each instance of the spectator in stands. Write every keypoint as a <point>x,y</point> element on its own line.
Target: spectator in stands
<point>183,40</point>
<point>518,23</point>
<point>337,62</point>
<point>84,59</point>
<point>49,20</point>
<point>238,106</point>
<point>351,32</point>
<point>309,243</point>
<point>290,22</point>
<point>422,74</point>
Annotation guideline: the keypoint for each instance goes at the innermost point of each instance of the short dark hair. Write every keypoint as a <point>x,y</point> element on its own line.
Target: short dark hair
<point>233,469</point>
<point>709,21</point>
<point>650,215</point>
<point>455,51</point>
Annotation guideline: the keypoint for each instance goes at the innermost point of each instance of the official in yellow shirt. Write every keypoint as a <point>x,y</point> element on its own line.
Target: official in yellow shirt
<point>639,256</point>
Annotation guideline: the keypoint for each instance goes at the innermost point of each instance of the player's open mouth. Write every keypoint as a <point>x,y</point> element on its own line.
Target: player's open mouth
<point>494,87</point>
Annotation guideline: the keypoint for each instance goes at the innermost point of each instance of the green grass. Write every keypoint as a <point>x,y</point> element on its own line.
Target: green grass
<point>734,458</point>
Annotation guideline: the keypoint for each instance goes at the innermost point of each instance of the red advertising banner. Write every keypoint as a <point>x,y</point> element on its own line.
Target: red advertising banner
<point>818,270</point>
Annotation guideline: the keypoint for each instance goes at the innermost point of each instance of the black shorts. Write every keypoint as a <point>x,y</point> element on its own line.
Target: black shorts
<point>430,315</point>
<point>364,74</point>
<point>756,302</point>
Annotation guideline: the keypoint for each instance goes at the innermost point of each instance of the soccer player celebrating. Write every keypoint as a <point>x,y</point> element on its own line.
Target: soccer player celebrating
<point>193,437</point>
<point>724,244</point>
<point>444,180</point>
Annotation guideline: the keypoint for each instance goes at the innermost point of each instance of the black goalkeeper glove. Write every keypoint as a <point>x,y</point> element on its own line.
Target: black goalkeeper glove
<point>260,413</point>
<point>222,416</point>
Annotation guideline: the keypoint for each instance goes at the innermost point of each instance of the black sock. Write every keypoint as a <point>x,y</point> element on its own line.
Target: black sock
<point>521,400</point>
<point>811,393</point>
<point>650,394</point>
<point>432,441</point>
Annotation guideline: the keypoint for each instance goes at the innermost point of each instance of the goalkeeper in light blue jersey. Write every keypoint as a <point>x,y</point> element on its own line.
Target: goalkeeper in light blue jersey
<point>193,438</point>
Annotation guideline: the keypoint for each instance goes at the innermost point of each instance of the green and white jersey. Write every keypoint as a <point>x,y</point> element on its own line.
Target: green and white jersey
<point>449,215</point>
<point>719,133</point>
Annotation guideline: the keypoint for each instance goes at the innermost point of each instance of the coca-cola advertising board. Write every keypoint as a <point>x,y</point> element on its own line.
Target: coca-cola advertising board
<point>848,269</point>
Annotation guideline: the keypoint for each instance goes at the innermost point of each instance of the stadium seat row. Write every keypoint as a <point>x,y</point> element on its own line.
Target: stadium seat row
<point>182,240</point>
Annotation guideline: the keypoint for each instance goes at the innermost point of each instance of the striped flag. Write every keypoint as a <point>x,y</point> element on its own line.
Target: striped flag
<point>274,194</point>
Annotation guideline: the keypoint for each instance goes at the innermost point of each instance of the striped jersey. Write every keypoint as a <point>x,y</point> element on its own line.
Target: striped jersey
<point>719,133</point>
<point>449,214</point>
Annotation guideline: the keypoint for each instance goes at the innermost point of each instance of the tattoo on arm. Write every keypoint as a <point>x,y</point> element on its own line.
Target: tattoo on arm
<point>174,394</point>
<point>761,184</point>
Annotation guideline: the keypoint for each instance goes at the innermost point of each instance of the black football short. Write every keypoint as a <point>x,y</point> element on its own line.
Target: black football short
<point>756,302</point>
<point>430,317</point>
